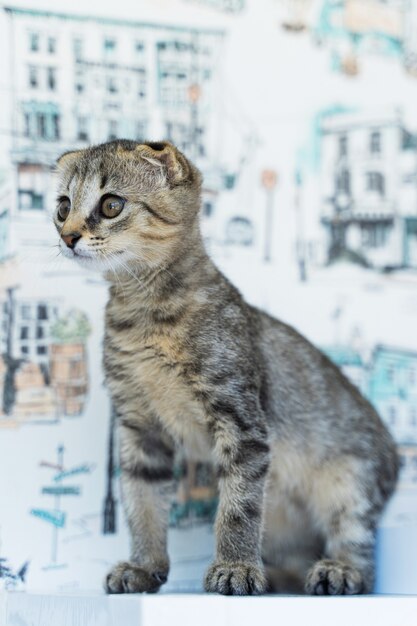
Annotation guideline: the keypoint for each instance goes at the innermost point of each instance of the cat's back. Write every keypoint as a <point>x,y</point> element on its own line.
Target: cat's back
<point>308,394</point>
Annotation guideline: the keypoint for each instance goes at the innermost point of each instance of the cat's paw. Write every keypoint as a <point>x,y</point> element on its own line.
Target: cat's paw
<point>128,577</point>
<point>333,578</point>
<point>235,579</point>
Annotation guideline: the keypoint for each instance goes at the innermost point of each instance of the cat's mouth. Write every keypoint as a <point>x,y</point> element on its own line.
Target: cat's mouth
<point>96,259</point>
<point>87,258</point>
<point>81,254</point>
<point>78,254</point>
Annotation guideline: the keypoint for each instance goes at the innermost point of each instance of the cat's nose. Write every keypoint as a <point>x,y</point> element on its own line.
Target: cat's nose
<point>71,239</point>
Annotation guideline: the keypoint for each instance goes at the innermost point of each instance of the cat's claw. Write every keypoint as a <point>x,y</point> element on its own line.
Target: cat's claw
<point>331,578</point>
<point>128,577</point>
<point>235,579</point>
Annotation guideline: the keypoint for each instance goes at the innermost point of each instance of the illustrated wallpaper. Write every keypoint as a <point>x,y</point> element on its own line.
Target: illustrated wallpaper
<point>301,115</point>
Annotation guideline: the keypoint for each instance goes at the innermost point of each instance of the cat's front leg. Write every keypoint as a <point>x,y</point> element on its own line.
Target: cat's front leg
<point>242,454</point>
<point>146,463</point>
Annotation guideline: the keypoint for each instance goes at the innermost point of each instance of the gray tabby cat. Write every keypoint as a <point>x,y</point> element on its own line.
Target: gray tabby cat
<point>305,465</point>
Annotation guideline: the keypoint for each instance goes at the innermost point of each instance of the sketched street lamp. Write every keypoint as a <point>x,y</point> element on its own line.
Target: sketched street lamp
<point>12,364</point>
<point>300,243</point>
<point>194,95</point>
<point>269,179</point>
<point>109,513</point>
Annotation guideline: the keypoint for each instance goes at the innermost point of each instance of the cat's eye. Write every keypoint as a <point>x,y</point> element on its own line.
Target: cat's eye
<point>64,207</point>
<point>111,206</point>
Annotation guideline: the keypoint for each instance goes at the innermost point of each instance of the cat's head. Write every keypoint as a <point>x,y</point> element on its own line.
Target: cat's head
<point>123,202</point>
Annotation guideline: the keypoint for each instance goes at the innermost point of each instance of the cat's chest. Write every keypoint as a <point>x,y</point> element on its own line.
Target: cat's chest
<point>157,370</point>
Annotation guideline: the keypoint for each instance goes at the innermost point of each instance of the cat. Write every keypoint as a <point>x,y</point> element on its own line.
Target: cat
<point>304,463</point>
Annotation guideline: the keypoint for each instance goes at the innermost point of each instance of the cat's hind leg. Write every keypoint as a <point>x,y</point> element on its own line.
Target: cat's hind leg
<point>346,509</point>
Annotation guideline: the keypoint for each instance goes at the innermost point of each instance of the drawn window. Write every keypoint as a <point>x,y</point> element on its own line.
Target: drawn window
<point>42,312</point>
<point>25,312</point>
<point>78,47</point>
<point>79,84</point>
<point>56,125</point>
<point>27,125</point>
<point>82,132</point>
<point>51,78</point>
<point>374,235</point>
<point>33,77</point>
<point>112,130</point>
<point>29,200</point>
<point>109,45</point>
<point>343,181</point>
<point>41,124</point>
<point>375,181</point>
<point>390,373</point>
<point>375,142</point>
<point>34,42</point>
<point>112,85</point>
<point>207,209</point>
<point>343,146</point>
<point>142,85</point>
<point>36,201</point>
<point>141,130</point>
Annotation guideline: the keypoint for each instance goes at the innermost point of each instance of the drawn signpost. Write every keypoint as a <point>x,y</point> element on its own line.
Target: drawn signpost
<point>56,516</point>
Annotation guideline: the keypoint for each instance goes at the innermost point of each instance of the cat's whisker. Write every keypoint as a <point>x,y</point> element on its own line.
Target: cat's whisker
<point>143,283</point>
<point>109,256</point>
<point>161,268</point>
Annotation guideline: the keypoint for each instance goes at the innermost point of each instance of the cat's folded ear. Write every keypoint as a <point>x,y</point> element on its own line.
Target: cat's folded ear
<point>68,158</point>
<point>165,155</point>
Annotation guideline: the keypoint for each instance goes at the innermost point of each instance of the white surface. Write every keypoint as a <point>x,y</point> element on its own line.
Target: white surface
<point>19,609</point>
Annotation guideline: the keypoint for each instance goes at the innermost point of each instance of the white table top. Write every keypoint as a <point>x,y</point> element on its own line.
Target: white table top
<point>29,609</point>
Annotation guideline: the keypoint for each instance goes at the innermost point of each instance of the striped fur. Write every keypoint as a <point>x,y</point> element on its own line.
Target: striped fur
<point>305,464</point>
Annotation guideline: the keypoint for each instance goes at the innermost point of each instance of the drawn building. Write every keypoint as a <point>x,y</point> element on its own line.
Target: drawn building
<point>68,362</point>
<point>5,207</point>
<point>410,36</point>
<point>228,6</point>
<point>77,80</point>
<point>196,496</point>
<point>351,363</point>
<point>393,390</point>
<point>26,395</point>
<point>408,459</point>
<point>353,27</point>
<point>32,320</point>
<point>389,381</point>
<point>35,400</point>
<point>43,369</point>
<point>369,189</point>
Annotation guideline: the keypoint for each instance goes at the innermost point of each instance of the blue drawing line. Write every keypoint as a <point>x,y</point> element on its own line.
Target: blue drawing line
<point>81,469</point>
<point>62,490</point>
<point>56,518</point>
